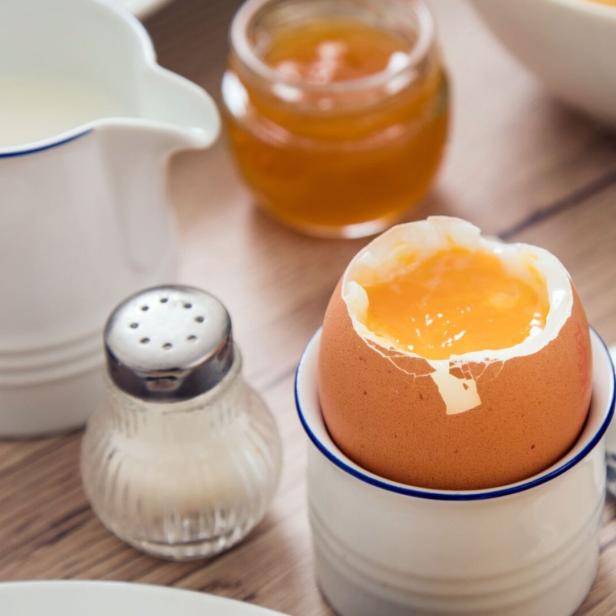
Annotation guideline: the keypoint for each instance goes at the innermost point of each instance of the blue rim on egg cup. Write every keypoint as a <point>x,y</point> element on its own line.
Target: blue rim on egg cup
<point>456,495</point>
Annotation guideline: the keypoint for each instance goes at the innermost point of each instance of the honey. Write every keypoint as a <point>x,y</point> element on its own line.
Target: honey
<point>337,123</point>
<point>336,49</point>
<point>457,301</point>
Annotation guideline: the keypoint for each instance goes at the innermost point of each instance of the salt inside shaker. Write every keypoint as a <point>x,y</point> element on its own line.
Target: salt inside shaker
<point>182,458</point>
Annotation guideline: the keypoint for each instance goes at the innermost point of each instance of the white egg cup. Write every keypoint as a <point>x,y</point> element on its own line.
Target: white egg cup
<point>526,549</point>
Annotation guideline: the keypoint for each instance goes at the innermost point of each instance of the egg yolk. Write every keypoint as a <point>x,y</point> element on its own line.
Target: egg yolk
<point>457,301</point>
<point>325,51</point>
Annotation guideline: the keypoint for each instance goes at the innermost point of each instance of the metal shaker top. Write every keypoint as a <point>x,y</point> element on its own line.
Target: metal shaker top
<point>168,343</point>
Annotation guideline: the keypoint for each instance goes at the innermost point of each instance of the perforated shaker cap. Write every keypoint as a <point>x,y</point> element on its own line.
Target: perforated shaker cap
<point>168,343</point>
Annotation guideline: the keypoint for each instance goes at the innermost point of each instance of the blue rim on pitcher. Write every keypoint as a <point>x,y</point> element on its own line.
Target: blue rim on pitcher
<point>45,146</point>
<point>455,495</point>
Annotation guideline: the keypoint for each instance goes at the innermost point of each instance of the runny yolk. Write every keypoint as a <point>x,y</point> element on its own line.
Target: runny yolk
<point>457,301</point>
<point>324,51</point>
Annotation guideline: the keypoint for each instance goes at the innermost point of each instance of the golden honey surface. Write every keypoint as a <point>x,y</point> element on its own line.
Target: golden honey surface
<point>338,49</point>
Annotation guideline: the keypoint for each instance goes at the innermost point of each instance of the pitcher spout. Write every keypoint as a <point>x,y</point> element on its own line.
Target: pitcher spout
<point>184,113</point>
<point>173,115</point>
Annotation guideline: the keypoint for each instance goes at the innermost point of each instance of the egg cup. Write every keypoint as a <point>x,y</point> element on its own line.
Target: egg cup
<point>529,548</point>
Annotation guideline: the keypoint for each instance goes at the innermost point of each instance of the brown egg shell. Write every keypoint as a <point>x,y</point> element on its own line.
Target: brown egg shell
<point>387,414</point>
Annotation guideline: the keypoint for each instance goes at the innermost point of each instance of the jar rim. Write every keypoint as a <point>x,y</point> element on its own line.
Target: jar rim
<point>247,55</point>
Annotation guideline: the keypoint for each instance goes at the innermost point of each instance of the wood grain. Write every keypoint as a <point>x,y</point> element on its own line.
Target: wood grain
<point>518,164</point>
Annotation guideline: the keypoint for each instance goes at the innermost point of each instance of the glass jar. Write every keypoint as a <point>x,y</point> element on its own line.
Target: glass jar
<point>183,457</point>
<point>338,158</point>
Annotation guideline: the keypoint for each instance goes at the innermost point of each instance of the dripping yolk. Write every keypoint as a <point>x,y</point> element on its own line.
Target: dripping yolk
<point>457,301</point>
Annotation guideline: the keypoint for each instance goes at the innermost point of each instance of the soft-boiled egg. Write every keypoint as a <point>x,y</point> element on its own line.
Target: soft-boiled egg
<point>450,360</point>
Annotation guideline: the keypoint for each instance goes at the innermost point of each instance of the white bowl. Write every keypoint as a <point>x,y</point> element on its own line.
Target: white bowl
<point>525,549</point>
<point>569,44</point>
<point>81,598</point>
<point>142,8</point>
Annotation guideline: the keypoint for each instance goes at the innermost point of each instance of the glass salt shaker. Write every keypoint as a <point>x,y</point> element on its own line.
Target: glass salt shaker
<point>182,459</point>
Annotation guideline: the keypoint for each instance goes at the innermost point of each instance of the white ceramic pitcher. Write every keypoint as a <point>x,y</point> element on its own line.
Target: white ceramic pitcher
<point>88,123</point>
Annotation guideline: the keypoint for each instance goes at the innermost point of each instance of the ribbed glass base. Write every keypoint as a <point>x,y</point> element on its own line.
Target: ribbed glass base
<point>191,550</point>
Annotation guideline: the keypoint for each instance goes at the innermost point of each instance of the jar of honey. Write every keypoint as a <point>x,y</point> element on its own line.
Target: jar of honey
<point>337,110</point>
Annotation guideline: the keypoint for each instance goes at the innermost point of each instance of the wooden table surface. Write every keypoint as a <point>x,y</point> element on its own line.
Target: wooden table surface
<point>519,165</point>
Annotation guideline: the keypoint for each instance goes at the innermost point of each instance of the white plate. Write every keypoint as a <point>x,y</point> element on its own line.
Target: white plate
<point>142,8</point>
<point>77,598</point>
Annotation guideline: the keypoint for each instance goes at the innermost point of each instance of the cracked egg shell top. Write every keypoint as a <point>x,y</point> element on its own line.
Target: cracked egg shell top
<point>480,418</point>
